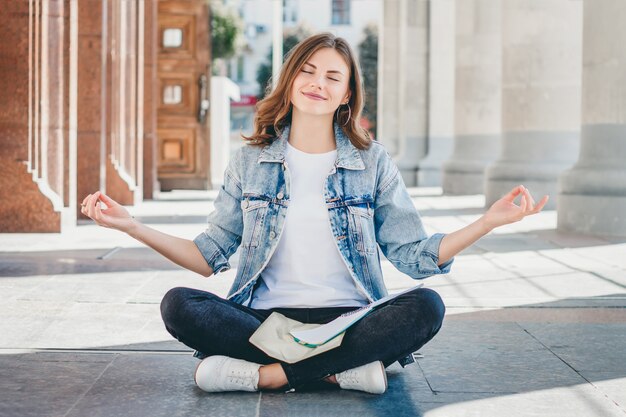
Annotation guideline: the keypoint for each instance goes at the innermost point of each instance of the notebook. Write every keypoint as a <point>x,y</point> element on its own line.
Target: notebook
<point>326,332</point>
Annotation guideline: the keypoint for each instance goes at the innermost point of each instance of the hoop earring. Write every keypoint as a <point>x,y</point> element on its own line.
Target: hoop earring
<point>349,114</point>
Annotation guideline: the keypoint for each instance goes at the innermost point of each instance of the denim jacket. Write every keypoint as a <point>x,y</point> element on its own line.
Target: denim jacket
<point>368,206</point>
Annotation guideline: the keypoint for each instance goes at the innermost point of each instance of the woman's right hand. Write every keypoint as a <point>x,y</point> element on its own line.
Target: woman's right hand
<point>114,216</point>
<point>183,252</point>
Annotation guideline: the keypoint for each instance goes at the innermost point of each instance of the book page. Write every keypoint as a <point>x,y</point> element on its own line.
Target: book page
<point>326,332</point>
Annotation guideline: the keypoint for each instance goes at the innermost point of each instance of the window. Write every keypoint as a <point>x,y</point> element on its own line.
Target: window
<point>172,38</point>
<point>341,12</point>
<point>172,94</point>
<point>290,11</point>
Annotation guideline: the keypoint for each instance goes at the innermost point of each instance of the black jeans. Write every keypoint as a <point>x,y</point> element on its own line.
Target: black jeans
<point>215,326</point>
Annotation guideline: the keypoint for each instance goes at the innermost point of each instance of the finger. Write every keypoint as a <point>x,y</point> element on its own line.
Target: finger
<point>541,204</point>
<point>531,201</point>
<point>108,200</point>
<point>513,193</point>
<point>96,201</point>
<point>87,205</point>
<point>98,211</point>
<point>85,201</point>
<point>91,204</point>
<point>523,203</point>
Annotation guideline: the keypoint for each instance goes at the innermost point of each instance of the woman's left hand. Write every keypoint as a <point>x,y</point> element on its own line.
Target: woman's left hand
<point>505,211</point>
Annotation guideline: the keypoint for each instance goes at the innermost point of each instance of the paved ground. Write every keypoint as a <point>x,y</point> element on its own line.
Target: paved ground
<point>536,325</point>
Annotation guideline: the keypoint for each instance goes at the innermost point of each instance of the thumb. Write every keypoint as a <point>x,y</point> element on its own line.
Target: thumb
<point>108,200</point>
<point>514,193</point>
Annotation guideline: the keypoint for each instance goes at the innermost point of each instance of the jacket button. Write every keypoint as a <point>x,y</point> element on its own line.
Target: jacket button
<point>280,195</point>
<point>272,235</point>
<point>244,204</point>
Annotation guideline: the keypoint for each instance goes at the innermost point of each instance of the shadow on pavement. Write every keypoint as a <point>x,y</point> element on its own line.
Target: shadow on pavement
<point>22,264</point>
<point>537,358</point>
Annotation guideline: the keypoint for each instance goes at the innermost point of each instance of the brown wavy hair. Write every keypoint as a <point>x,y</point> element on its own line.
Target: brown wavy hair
<point>274,111</point>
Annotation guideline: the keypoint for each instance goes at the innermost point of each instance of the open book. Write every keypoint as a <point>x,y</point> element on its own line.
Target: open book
<point>325,332</point>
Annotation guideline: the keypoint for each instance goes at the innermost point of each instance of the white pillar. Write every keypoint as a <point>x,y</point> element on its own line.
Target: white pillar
<point>222,91</point>
<point>440,93</point>
<point>403,109</point>
<point>592,195</point>
<point>277,40</point>
<point>542,52</point>
<point>478,82</point>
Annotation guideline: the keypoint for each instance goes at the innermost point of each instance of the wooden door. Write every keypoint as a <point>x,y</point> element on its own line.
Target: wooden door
<point>183,86</point>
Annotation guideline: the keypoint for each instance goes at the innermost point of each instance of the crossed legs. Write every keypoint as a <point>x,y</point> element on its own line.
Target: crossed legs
<point>215,326</point>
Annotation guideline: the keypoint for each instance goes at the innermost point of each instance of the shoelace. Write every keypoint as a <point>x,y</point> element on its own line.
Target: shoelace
<point>240,377</point>
<point>350,377</point>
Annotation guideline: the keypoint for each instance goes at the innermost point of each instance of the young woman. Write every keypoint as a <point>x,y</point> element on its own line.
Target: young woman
<point>309,199</point>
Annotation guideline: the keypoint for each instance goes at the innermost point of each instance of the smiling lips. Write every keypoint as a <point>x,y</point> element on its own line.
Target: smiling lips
<point>314,96</point>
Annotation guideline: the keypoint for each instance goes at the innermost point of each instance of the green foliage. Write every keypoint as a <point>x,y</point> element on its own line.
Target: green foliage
<point>226,27</point>
<point>290,39</point>
<point>368,57</point>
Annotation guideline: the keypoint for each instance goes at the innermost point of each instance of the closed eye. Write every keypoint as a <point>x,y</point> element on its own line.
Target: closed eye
<point>309,72</point>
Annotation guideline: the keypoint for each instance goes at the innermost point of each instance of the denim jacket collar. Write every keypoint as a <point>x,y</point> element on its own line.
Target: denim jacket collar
<point>347,155</point>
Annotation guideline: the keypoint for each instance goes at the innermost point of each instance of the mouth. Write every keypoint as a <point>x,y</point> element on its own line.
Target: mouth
<point>314,96</point>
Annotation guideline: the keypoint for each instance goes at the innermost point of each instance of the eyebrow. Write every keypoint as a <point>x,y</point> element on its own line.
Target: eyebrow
<point>332,71</point>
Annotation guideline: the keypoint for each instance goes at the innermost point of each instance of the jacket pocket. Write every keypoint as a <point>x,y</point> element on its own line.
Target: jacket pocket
<point>361,221</point>
<point>254,212</point>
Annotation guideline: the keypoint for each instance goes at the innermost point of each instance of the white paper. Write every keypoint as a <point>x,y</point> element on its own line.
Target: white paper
<point>325,332</point>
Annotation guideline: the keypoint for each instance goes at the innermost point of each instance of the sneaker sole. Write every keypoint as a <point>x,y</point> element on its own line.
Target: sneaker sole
<point>195,373</point>
<point>382,367</point>
<point>384,374</point>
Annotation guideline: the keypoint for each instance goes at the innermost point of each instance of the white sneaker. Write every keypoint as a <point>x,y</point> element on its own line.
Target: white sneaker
<point>221,373</point>
<point>370,378</point>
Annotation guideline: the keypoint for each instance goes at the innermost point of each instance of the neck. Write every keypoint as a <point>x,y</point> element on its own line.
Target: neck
<point>312,133</point>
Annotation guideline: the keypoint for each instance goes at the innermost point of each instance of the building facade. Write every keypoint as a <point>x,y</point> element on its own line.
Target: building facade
<point>526,92</point>
<point>473,95</point>
<point>85,88</point>
<point>345,18</point>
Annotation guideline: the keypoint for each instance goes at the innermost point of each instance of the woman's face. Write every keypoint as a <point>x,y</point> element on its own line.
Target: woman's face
<point>321,84</point>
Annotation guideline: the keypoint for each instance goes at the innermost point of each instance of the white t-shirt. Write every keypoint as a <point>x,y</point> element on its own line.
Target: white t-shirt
<point>306,269</point>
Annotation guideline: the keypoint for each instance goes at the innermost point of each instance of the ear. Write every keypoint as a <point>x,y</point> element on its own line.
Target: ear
<point>346,99</point>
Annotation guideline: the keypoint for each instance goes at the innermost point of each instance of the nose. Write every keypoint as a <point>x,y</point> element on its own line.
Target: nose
<point>318,82</point>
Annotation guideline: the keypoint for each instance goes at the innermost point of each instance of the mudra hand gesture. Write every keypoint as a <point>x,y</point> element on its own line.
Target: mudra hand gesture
<point>505,211</point>
<point>114,216</point>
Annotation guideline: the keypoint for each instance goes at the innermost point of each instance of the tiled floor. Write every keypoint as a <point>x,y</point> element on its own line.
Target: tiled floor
<point>536,325</point>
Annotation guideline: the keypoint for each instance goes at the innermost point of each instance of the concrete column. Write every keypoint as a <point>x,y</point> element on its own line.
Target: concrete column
<point>403,51</point>
<point>150,100</point>
<point>24,208</point>
<point>37,116</point>
<point>440,93</point>
<point>542,51</point>
<point>122,141</point>
<point>90,109</point>
<point>478,78</point>
<point>223,89</point>
<point>388,126</point>
<point>592,195</point>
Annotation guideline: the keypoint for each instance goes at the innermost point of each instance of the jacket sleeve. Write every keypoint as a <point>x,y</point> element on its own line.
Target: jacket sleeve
<point>399,229</point>
<point>222,236</point>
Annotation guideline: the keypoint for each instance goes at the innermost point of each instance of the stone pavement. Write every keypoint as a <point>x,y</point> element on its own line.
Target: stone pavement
<point>535,325</point>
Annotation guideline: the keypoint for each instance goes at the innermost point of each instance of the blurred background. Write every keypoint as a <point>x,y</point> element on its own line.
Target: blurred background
<point>137,98</point>
<point>146,100</point>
